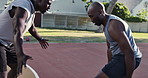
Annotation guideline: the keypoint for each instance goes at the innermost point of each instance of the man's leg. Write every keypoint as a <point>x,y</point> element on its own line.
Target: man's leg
<point>114,69</point>
<point>3,63</point>
<point>12,62</point>
<point>101,75</point>
<point>13,71</point>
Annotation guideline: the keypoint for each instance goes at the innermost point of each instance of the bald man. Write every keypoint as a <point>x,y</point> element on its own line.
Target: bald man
<point>15,21</point>
<point>123,54</point>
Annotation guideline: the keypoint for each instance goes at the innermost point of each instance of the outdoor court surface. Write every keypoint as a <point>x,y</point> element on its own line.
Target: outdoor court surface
<point>75,60</point>
<point>27,73</point>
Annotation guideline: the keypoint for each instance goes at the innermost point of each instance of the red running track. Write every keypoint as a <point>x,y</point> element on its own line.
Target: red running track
<point>75,60</point>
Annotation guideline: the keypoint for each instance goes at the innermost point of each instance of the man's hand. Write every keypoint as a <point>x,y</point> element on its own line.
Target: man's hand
<point>44,44</point>
<point>22,59</point>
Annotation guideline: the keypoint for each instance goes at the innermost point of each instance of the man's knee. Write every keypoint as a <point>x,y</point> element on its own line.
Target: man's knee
<point>13,67</point>
<point>13,71</point>
<point>101,75</point>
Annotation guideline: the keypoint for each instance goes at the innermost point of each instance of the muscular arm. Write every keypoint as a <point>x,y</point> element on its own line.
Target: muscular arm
<point>109,55</point>
<point>43,42</point>
<point>19,16</point>
<point>116,30</point>
<point>34,33</point>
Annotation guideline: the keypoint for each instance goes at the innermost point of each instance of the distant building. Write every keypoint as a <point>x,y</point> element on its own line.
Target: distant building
<point>68,7</point>
<point>67,14</point>
<point>131,4</point>
<point>142,5</point>
<point>72,13</point>
<point>135,5</point>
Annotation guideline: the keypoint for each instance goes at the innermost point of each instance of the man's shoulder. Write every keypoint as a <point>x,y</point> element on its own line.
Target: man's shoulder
<point>116,24</point>
<point>25,4</point>
<point>22,3</point>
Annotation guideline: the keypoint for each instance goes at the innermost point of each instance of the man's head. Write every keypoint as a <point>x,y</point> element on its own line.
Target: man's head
<point>42,5</point>
<point>96,12</point>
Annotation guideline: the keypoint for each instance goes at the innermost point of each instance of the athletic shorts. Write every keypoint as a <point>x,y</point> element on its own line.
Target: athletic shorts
<point>7,56</point>
<point>116,67</point>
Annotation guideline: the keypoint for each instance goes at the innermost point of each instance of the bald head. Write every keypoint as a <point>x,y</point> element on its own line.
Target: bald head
<point>97,6</point>
<point>96,13</point>
<point>42,5</point>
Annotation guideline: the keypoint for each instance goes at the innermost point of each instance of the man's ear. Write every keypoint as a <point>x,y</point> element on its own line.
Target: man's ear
<point>101,12</point>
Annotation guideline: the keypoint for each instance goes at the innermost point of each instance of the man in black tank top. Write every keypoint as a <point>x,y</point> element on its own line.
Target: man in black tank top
<point>120,65</point>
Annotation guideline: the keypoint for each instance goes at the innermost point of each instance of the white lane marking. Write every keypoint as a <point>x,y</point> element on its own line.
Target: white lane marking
<point>33,71</point>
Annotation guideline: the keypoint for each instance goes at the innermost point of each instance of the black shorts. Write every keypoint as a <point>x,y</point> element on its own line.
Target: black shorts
<point>7,56</point>
<point>116,67</point>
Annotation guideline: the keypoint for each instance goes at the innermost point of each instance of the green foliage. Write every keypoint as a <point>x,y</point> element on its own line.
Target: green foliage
<point>87,5</point>
<point>84,0</point>
<point>143,13</point>
<point>122,11</point>
<point>135,19</point>
<point>8,2</point>
<point>119,10</point>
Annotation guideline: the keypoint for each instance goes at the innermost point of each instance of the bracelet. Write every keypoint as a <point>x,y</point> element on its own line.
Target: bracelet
<point>41,39</point>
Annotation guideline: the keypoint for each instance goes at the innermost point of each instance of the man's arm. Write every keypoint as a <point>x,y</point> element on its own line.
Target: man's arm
<point>34,32</point>
<point>109,55</point>
<point>19,17</point>
<point>116,30</point>
<point>43,42</point>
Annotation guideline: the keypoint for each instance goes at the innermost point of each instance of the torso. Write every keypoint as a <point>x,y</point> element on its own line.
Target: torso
<point>115,49</point>
<point>6,26</point>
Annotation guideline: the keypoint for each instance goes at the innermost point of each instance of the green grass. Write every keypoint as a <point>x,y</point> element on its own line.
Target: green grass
<point>77,36</point>
<point>141,37</point>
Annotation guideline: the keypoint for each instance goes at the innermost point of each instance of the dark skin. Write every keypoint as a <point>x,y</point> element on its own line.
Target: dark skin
<point>18,22</point>
<point>117,32</point>
<point>43,42</point>
<point>19,16</point>
<point>109,55</point>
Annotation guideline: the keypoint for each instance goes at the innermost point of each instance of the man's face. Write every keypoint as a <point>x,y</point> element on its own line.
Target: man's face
<point>45,5</point>
<point>95,16</point>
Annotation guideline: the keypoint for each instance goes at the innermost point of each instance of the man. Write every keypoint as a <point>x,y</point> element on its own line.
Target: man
<point>15,20</point>
<point>123,54</point>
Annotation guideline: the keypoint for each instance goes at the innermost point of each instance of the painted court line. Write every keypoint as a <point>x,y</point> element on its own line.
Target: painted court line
<point>75,60</point>
<point>33,71</point>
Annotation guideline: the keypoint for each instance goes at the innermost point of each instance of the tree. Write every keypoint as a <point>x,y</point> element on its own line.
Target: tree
<point>143,14</point>
<point>8,2</point>
<point>84,0</point>
<point>119,10</point>
<point>87,0</point>
<point>111,6</point>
